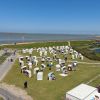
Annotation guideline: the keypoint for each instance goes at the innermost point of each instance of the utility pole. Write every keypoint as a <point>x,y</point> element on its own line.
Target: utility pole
<point>23,39</point>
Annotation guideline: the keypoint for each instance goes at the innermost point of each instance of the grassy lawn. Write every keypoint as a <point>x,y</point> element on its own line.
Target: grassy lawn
<point>35,44</point>
<point>98,54</point>
<point>1,98</point>
<point>95,82</point>
<point>53,90</point>
<point>47,44</point>
<point>3,57</point>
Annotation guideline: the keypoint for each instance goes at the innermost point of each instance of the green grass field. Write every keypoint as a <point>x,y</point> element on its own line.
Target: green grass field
<point>35,44</point>
<point>3,57</point>
<point>1,98</point>
<point>53,90</point>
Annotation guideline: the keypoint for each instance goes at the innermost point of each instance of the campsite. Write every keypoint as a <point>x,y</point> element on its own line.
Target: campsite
<point>49,49</point>
<point>48,75</point>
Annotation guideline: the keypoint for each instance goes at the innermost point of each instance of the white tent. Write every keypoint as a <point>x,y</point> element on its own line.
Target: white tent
<point>35,70</point>
<point>30,65</point>
<point>24,51</point>
<point>23,67</point>
<point>73,56</point>
<point>58,67</point>
<point>82,92</point>
<point>28,73</point>
<point>40,76</point>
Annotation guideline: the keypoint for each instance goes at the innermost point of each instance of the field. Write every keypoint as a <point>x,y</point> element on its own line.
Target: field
<point>35,44</point>
<point>1,98</point>
<point>3,57</point>
<point>54,90</point>
<point>81,46</point>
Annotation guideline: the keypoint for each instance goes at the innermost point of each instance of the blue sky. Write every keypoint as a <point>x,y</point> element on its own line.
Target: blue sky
<point>50,16</point>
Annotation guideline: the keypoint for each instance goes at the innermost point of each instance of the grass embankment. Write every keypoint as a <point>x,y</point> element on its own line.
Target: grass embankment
<point>53,90</point>
<point>1,98</point>
<point>3,57</point>
<point>84,47</point>
<point>36,45</point>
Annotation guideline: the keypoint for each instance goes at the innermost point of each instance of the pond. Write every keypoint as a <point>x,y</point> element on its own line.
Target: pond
<point>97,50</point>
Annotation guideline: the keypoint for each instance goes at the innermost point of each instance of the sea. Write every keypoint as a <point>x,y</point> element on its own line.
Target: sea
<point>8,38</point>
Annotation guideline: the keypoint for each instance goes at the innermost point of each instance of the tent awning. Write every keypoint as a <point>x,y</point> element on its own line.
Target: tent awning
<point>81,92</point>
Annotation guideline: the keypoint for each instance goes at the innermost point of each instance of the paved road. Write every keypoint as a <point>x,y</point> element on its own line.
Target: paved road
<point>8,96</point>
<point>6,66</point>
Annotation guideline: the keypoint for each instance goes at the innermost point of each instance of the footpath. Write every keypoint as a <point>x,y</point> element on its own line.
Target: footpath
<point>10,92</point>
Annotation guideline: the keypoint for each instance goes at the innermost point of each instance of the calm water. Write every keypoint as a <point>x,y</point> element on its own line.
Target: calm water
<point>16,37</point>
<point>97,50</point>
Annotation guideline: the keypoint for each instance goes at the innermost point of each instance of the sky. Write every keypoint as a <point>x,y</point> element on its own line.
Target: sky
<point>50,16</point>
